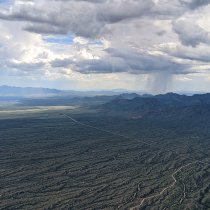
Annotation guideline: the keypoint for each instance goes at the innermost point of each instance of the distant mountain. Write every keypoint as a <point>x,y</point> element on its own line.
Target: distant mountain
<point>27,92</point>
<point>128,96</point>
<point>11,91</point>
<point>110,102</point>
<point>174,99</point>
<point>66,101</point>
<point>168,104</point>
<point>77,99</point>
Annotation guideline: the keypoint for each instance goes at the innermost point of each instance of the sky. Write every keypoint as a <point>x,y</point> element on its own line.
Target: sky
<point>140,45</point>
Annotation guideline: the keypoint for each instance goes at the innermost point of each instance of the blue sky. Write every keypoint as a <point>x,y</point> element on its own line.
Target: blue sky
<point>6,3</point>
<point>60,39</point>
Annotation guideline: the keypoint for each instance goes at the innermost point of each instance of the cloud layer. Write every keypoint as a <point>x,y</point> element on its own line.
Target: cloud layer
<point>153,37</point>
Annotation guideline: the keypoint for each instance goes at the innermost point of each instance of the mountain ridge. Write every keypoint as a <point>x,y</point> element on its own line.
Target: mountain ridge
<point>170,104</point>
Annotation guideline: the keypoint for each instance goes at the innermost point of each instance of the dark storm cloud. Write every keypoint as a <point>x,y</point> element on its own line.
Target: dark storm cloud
<point>144,62</point>
<point>199,55</point>
<point>83,18</point>
<point>190,33</point>
<point>194,4</point>
<point>23,66</point>
<point>139,24</point>
<point>124,61</point>
<point>45,29</point>
<point>193,57</point>
<point>58,63</point>
<point>89,18</point>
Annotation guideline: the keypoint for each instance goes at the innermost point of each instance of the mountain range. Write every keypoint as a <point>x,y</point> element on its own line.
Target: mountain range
<point>170,105</point>
<point>28,92</point>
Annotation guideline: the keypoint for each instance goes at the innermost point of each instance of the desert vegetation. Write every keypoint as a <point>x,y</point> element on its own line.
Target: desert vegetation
<point>147,163</point>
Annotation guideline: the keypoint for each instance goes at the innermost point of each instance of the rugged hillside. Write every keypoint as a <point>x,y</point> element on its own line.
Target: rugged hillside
<point>138,104</point>
<point>75,100</point>
<point>168,105</point>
